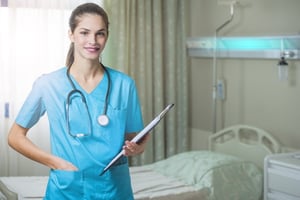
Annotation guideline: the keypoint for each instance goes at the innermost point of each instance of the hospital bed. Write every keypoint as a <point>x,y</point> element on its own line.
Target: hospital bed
<point>231,169</point>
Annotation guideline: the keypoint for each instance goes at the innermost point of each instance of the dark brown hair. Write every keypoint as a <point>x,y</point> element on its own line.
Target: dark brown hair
<point>87,8</point>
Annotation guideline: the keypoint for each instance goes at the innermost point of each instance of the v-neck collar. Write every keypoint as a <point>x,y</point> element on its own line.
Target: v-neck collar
<point>102,85</point>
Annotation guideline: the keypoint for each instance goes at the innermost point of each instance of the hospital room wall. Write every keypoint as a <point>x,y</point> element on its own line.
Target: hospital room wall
<point>254,94</point>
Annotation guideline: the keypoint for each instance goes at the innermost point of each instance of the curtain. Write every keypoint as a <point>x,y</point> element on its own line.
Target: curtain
<point>147,41</point>
<point>33,40</point>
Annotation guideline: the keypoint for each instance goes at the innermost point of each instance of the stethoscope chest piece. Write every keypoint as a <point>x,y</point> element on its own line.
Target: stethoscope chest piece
<point>103,120</point>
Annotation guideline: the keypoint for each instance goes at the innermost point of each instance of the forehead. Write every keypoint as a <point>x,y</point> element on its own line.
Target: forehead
<point>91,22</point>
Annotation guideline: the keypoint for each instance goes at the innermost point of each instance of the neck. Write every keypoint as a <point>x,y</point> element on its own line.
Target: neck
<point>86,70</point>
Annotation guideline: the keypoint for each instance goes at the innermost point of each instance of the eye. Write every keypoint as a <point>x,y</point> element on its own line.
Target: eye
<point>101,33</point>
<point>83,32</point>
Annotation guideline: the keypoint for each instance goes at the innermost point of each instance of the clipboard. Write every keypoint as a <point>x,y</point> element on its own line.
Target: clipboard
<point>140,135</point>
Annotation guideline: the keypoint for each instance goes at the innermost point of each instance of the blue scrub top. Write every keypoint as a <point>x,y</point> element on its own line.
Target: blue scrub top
<point>89,154</point>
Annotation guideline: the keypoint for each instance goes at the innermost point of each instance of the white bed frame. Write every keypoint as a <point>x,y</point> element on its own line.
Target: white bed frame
<point>243,141</point>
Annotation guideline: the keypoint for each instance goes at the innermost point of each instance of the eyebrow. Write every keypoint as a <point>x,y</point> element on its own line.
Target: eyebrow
<point>86,29</point>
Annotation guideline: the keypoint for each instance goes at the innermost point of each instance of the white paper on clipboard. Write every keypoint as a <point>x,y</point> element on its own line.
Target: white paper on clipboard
<point>140,135</point>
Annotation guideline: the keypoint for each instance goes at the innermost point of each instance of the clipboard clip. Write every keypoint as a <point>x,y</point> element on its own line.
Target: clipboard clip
<point>164,112</point>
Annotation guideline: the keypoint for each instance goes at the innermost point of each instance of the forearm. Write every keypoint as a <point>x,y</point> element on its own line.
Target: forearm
<point>18,140</point>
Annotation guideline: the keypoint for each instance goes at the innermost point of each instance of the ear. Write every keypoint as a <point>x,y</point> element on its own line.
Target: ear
<point>71,36</point>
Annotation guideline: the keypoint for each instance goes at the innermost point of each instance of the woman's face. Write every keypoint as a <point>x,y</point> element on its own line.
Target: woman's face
<point>89,37</point>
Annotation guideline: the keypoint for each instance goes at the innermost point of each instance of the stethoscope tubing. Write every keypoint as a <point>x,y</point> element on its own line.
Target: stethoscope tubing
<point>72,92</point>
<point>75,90</point>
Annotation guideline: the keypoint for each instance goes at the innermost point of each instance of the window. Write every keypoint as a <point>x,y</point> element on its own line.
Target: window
<point>33,41</point>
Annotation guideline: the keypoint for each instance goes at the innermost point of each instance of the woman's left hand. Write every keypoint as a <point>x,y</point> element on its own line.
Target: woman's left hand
<point>132,148</point>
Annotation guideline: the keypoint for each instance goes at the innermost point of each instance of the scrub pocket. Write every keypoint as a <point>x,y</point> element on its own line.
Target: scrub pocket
<point>64,185</point>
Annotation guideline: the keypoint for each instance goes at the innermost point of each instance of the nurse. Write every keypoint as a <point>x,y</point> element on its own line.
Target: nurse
<point>93,113</point>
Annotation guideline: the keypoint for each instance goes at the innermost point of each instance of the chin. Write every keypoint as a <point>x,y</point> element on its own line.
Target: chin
<point>93,57</point>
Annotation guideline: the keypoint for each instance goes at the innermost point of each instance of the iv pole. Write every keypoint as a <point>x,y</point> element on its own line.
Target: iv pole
<point>232,4</point>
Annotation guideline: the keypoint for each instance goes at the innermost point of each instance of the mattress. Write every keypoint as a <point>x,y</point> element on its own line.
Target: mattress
<point>148,184</point>
<point>23,187</point>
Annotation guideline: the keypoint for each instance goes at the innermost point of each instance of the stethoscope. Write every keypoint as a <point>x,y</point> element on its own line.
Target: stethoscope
<point>103,119</point>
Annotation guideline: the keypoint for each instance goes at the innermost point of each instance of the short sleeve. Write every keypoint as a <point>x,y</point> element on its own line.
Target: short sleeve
<point>33,107</point>
<point>134,121</point>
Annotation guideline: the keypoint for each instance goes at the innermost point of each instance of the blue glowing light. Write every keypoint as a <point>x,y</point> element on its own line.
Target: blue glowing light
<point>252,43</point>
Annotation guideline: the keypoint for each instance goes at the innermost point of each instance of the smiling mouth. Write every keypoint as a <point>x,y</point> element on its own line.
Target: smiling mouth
<point>92,49</point>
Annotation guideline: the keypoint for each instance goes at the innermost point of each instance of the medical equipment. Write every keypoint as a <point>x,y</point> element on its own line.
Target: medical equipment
<point>215,71</point>
<point>103,119</point>
<point>283,66</point>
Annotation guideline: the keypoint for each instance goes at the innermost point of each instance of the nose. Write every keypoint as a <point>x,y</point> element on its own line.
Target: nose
<point>92,39</point>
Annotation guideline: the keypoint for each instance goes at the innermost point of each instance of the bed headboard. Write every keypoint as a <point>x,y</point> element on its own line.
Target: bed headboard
<point>246,142</point>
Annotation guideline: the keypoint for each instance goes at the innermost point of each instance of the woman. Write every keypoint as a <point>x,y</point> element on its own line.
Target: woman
<point>78,98</point>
